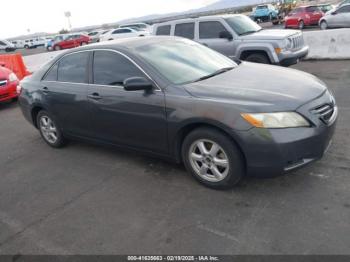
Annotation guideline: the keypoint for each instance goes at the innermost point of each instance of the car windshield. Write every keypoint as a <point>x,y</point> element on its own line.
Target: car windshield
<point>243,25</point>
<point>261,7</point>
<point>184,61</point>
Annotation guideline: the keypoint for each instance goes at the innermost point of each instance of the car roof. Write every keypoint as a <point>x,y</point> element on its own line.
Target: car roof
<point>126,44</point>
<point>184,20</point>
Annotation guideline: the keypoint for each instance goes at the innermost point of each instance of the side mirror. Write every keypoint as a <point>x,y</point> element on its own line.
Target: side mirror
<point>137,83</point>
<point>226,34</point>
<point>334,13</point>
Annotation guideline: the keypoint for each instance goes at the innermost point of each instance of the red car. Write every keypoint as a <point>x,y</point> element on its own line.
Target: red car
<point>303,16</point>
<point>8,85</point>
<point>71,41</point>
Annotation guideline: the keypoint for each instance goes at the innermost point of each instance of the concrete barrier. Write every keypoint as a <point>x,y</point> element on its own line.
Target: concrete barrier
<point>328,44</point>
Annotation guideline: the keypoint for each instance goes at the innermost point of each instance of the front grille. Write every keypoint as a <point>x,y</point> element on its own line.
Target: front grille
<point>325,112</point>
<point>3,82</point>
<point>297,41</point>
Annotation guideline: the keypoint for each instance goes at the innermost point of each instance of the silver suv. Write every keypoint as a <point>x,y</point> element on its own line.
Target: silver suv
<point>238,37</point>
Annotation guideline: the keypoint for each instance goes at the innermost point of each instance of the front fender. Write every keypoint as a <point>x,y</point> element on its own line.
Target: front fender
<point>265,47</point>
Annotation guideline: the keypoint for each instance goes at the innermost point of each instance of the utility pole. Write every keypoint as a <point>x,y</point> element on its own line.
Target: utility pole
<point>68,15</point>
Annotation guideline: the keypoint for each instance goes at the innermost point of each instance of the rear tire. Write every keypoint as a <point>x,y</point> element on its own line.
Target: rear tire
<point>49,130</point>
<point>212,158</point>
<point>258,58</point>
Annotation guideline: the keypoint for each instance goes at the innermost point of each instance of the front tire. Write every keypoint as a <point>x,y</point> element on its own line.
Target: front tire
<point>49,130</point>
<point>323,25</point>
<point>301,25</point>
<point>258,58</point>
<point>213,158</point>
<point>57,48</point>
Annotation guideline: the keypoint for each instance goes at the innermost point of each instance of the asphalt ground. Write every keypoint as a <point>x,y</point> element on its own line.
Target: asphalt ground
<point>88,199</point>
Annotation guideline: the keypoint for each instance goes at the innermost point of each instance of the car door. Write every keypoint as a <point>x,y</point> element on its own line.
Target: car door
<point>337,18</point>
<point>68,42</point>
<point>131,118</point>
<point>209,35</point>
<point>344,14</point>
<point>314,13</point>
<point>64,88</point>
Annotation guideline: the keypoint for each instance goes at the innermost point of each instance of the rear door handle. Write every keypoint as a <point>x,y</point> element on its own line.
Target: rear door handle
<point>95,96</point>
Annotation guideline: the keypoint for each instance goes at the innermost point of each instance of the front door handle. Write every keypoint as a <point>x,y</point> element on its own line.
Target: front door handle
<point>45,90</point>
<point>95,96</point>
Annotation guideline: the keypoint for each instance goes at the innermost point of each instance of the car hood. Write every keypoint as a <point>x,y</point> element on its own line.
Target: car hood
<point>274,34</point>
<point>260,88</point>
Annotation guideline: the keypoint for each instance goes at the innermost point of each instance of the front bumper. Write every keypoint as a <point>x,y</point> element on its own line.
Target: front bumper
<point>271,152</point>
<point>289,58</point>
<point>8,92</point>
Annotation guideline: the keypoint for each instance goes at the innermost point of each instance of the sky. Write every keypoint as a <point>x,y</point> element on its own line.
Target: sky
<point>23,17</point>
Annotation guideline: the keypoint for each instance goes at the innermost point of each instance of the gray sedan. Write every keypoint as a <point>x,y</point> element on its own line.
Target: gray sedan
<point>337,18</point>
<point>175,98</point>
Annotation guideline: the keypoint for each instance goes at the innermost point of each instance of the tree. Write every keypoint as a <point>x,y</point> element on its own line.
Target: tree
<point>63,31</point>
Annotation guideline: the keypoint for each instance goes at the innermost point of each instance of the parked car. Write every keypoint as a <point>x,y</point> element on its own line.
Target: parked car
<point>71,41</point>
<point>122,33</point>
<point>178,99</point>
<point>8,85</point>
<point>338,18</point>
<point>6,46</point>
<point>137,26</point>
<point>303,16</point>
<point>56,39</point>
<point>18,44</point>
<point>95,36</point>
<point>264,13</point>
<point>34,42</point>
<point>238,37</point>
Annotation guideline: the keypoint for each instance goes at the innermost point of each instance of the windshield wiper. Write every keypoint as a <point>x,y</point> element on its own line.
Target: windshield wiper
<point>220,71</point>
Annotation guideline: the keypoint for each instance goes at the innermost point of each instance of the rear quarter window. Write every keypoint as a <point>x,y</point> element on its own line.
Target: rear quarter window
<point>163,30</point>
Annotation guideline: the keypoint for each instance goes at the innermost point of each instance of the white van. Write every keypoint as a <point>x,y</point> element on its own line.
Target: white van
<point>18,43</point>
<point>34,42</point>
<point>6,46</point>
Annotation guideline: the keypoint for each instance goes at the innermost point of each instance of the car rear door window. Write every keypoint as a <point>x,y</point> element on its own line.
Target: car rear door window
<point>185,30</point>
<point>73,68</point>
<point>111,68</point>
<point>163,30</point>
<point>210,29</point>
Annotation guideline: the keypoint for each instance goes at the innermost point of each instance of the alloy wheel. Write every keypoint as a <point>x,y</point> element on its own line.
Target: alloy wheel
<point>48,129</point>
<point>209,160</point>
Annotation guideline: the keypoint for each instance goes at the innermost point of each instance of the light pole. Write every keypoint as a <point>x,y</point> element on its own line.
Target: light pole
<point>68,15</point>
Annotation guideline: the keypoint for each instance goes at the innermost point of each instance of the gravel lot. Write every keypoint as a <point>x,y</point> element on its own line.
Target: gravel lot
<point>87,199</point>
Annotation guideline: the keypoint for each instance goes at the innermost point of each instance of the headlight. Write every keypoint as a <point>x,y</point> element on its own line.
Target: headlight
<point>13,77</point>
<point>287,43</point>
<point>276,120</point>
